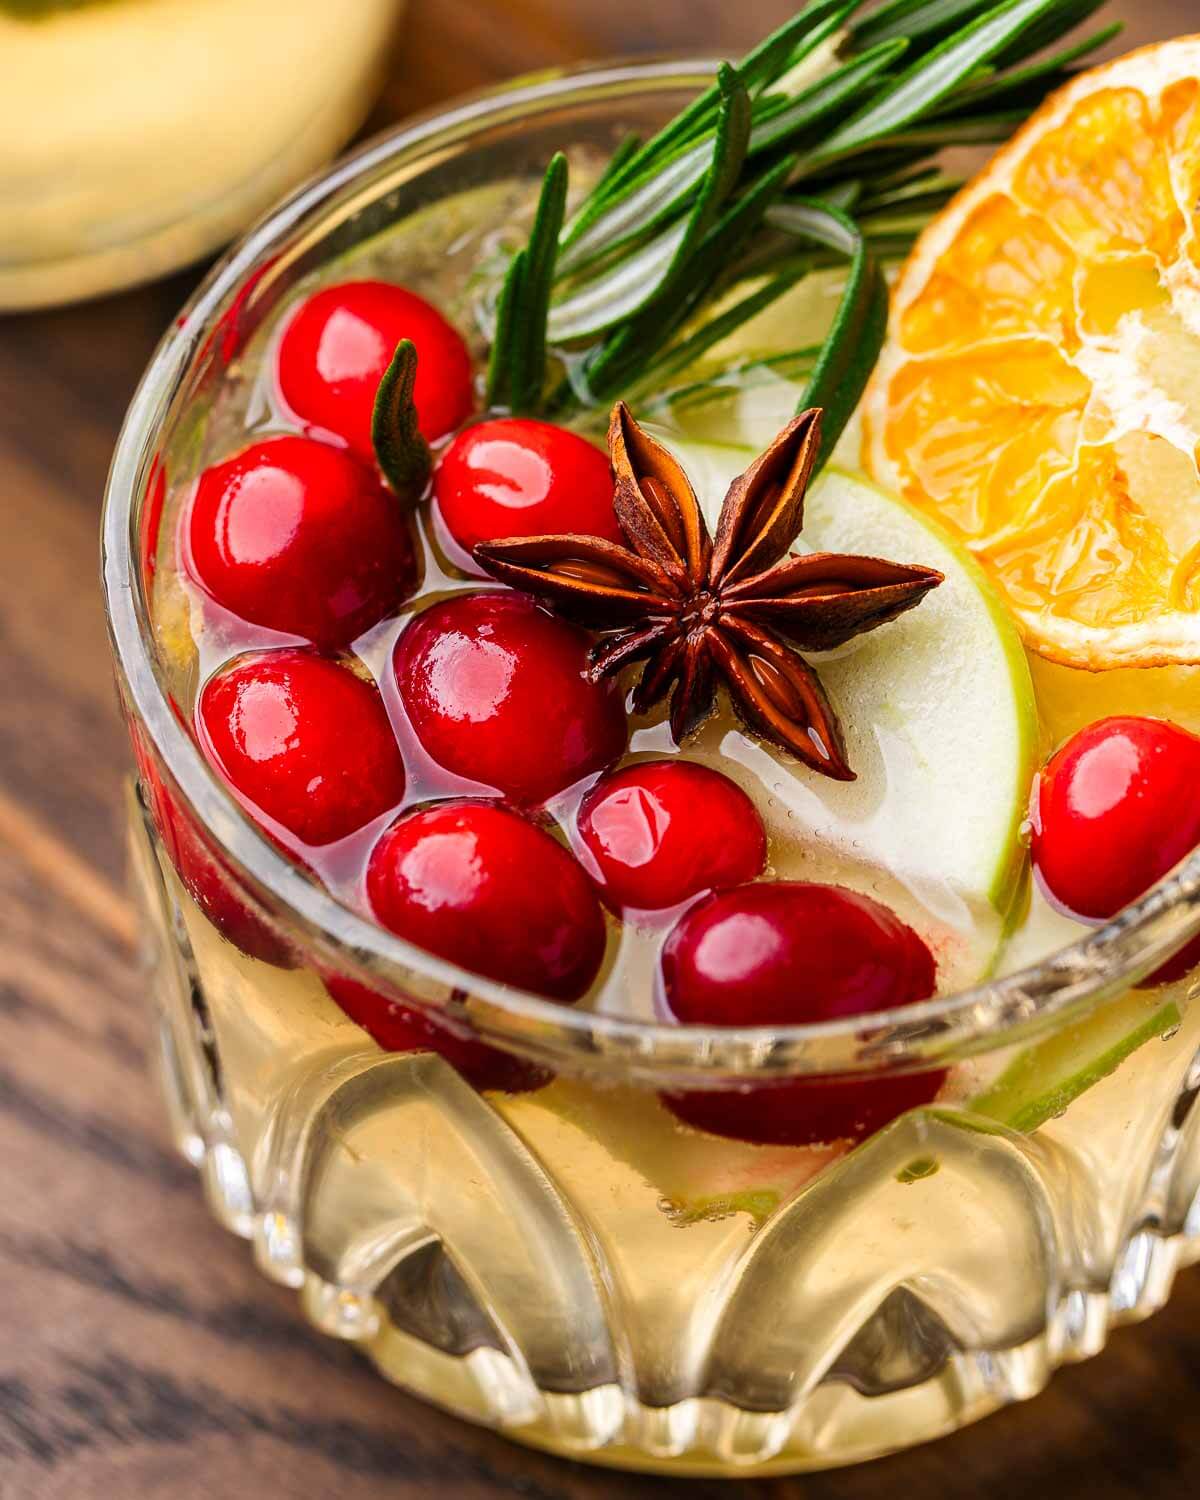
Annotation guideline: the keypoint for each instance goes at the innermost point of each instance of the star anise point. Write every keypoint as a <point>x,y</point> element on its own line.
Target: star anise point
<point>739,606</point>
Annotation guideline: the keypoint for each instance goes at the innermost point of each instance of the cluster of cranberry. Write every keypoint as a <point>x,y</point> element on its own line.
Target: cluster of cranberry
<point>298,535</point>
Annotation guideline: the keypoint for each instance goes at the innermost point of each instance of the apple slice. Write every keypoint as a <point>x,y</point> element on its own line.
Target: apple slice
<point>1045,1077</point>
<point>940,724</point>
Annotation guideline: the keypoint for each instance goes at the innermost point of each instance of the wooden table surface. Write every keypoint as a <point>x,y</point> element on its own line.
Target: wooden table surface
<point>140,1353</point>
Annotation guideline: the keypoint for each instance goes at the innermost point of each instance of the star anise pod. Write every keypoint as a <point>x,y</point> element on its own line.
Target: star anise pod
<point>697,608</point>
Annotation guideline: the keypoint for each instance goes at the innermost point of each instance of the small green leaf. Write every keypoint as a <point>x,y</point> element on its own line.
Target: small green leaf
<point>400,450</point>
<point>1048,29</point>
<point>854,342</point>
<point>824,98</point>
<point>918,91</point>
<point>685,353</point>
<point>844,196</point>
<point>658,182</point>
<point>778,53</point>
<point>621,354</point>
<point>915,20</point>
<point>879,163</point>
<point>532,310</point>
<point>659,194</point>
<point>616,295</point>
<point>500,360</point>
<point>625,152</point>
<point>744,375</point>
<point>1049,72</point>
<point>927,194</point>
<point>773,56</point>
<point>729,152</point>
<point>517,366</point>
<point>899,185</point>
<point>939,134</point>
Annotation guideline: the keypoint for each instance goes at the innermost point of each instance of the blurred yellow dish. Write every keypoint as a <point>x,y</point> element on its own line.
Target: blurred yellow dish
<point>1041,390</point>
<point>136,135</point>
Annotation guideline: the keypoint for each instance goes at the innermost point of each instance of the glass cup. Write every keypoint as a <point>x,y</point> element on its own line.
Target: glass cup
<point>138,135</point>
<point>511,1224</point>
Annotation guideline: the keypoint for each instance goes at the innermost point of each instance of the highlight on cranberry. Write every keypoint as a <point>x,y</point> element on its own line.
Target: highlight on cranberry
<point>303,741</point>
<point>514,476</point>
<point>499,692</point>
<point>1113,811</point>
<point>788,953</point>
<point>340,340</point>
<point>659,832</point>
<point>480,885</point>
<point>298,536</point>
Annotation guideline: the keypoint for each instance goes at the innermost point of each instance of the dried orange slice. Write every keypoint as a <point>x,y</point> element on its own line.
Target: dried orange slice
<point>1040,391</point>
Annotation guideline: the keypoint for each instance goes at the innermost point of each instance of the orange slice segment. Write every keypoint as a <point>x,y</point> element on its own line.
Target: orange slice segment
<point>1040,391</point>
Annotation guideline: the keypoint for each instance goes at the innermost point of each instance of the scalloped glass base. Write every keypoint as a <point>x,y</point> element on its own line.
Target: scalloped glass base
<point>574,1268</point>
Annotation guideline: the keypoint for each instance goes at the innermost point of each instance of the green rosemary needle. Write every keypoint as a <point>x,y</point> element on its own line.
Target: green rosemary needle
<point>819,147</point>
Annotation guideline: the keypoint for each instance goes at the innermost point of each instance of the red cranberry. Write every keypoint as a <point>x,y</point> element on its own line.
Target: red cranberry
<point>299,536</point>
<point>233,329</point>
<point>153,501</point>
<point>663,831</point>
<point>480,885</point>
<point>204,876</point>
<point>1114,811</point>
<point>514,477</point>
<point>786,953</point>
<point>303,740</point>
<point>404,1028</point>
<point>212,888</point>
<point>338,344</point>
<point>499,692</point>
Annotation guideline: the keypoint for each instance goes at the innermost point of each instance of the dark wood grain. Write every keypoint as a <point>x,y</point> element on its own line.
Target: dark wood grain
<point>140,1353</point>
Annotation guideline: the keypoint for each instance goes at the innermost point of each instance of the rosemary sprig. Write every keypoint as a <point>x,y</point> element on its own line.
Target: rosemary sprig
<point>517,368</point>
<point>820,146</point>
<point>932,78</point>
<point>852,346</point>
<point>779,52</point>
<point>629,348</point>
<point>654,271</point>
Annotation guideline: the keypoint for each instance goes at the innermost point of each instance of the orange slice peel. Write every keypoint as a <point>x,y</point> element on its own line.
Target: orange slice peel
<point>1040,390</point>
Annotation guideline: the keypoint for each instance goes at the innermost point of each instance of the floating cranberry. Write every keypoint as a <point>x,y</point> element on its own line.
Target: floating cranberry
<point>662,831</point>
<point>203,874</point>
<point>339,342</point>
<point>482,886</point>
<point>499,692</point>
<point>211,886</point>
<point>404,1028</point>
<point>303,740</point>
<point>516,477</point>
<point>299,536</point>
<point>1114,811</point>
<point>783,954</point>
<point>150,517</point>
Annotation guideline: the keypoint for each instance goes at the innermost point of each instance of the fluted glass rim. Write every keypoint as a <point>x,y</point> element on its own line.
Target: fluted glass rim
<point>992,1014</point>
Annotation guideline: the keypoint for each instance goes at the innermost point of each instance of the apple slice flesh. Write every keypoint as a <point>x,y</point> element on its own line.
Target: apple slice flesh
<point>940,723</point>
<point>1043,1079</point>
